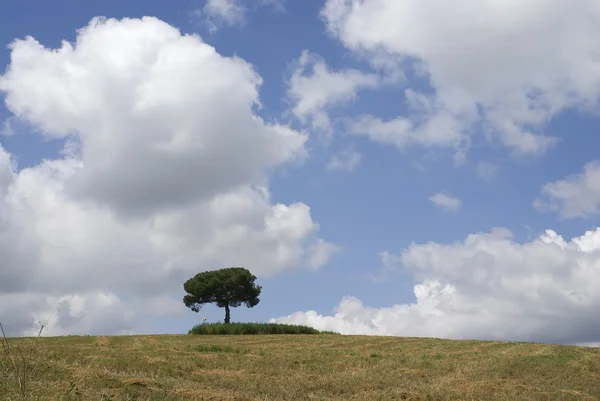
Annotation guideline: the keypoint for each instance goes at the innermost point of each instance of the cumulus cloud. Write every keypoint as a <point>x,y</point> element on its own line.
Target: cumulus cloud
<point>576,196</point>
<point>140,126</point>
<point>446,201</point>
<point>507,67</point>
<point>345,160</point>
<point>164,175</point>
<point>313,88</point>
<point>487,287</point>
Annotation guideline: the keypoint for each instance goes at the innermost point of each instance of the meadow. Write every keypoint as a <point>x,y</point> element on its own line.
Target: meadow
<point>296,367</point>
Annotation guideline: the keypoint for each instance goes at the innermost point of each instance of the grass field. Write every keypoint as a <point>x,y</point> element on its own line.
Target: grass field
<point>301,367</point>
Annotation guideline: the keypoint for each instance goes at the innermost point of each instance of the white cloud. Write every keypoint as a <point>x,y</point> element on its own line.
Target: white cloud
<point>93,312</point>
<point>576,196</point>
<point>165,174</point>
<point>439,130</point>
<point>141,126</point>
<point>446,201</point>
<point>487,287</point>
<point>160,306</point>
<point>313,88</point>
<point>486,170</point>
<point>278,5</point>
<point>230,12</point>
<point>8,127</point>
<point>345,160</point>
<point>506,66</point>
<point>321,252</point>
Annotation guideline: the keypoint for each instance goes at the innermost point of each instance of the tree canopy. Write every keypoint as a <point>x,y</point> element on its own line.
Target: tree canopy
<point>228,287</point>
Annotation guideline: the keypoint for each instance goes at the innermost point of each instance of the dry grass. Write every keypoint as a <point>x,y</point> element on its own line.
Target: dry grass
<point>296,367</point>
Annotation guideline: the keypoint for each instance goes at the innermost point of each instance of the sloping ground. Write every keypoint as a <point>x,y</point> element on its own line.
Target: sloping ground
<point>302,367</point>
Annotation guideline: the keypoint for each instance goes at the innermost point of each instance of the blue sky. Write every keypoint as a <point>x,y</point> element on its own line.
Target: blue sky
<point>380,204</point>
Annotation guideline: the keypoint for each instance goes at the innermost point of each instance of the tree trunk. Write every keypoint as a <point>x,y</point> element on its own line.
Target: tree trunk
<point>227,314</point>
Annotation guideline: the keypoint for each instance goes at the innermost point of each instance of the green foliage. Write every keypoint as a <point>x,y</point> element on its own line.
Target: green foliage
<point>253,328</point>
<point>229,287</point>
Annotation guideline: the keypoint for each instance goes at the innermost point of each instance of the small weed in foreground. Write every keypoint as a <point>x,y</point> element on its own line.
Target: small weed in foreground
<point>253,328</point>
<point>21,363</point>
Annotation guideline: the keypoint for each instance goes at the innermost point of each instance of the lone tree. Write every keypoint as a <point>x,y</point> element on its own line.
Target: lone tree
<point>229,287</point>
